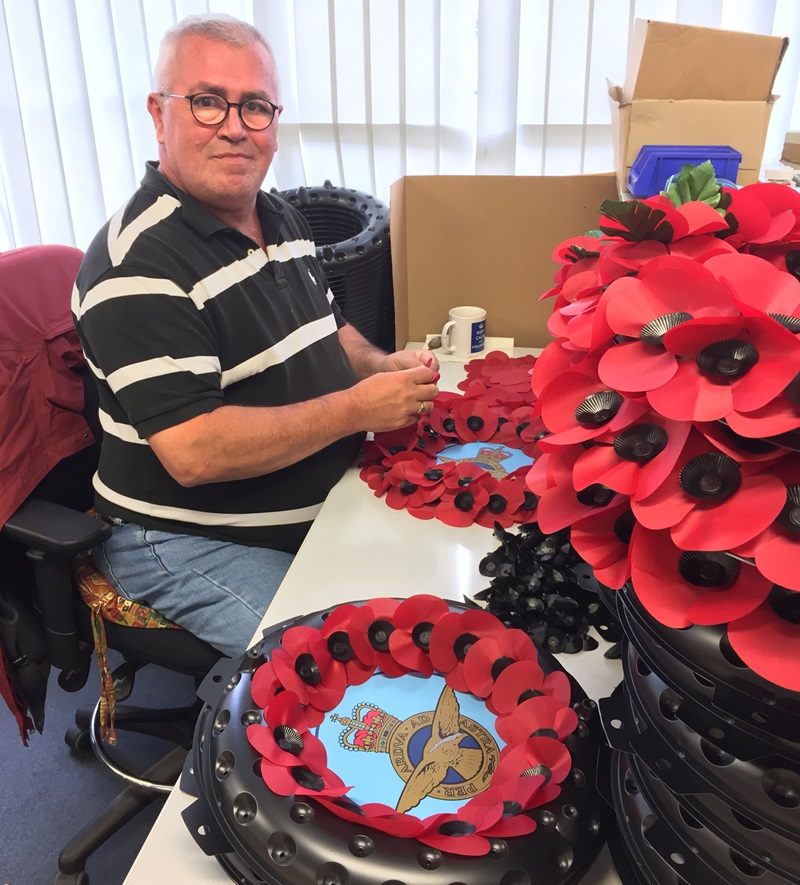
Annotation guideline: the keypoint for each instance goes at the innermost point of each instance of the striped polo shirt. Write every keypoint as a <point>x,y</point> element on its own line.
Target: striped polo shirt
<point>179,314</point>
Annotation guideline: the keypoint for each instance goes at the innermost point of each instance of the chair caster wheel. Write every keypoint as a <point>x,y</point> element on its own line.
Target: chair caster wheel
<point>79,741</point>
<point>79,878</point>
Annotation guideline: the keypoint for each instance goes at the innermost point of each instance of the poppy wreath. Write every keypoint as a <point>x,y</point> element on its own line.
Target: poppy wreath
<point>494,408</point>
<point>673,377</point>
<point>307,676</point>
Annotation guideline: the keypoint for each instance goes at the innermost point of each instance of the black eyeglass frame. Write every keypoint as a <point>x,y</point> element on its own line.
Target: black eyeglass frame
<point>230,104</point>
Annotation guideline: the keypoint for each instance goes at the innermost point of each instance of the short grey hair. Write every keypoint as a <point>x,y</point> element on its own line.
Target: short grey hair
<point>215,26</point>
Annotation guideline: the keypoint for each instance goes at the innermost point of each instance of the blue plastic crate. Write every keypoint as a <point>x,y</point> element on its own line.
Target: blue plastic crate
<point>655,163</point>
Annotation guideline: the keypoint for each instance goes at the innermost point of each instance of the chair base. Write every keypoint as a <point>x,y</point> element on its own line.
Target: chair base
<point>124,807</point>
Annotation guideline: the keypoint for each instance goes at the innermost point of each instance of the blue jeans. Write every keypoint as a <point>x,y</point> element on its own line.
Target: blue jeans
<point>215,589</point>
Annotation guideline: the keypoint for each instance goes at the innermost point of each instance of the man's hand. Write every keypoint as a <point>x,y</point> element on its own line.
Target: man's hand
<point>407,359</point>
<point>391,400</point>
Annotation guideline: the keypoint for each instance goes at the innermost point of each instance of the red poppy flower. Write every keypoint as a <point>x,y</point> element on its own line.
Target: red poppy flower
<point>768,638</point>
<point>285,739</point>
<point>537,717</point>
<point>602,540</point>
<point>414,619</point>
<point>301,781</point>
<point>460,506</point>
<point>488,657</point>
<point>577,406</point>
<point>265,684</point>
<point>497,369</point>
<point>560,504</point>
<point>757,285</point>
<point>370,629</point>
<point>304,666</point>
<point>668,291</point>
<point>636,460</point>
<point>780,415</point>
<point>711,501</point>
<point>375,815</point>
<point>556,358</point>
<point>684,587</point>
<point>766,213</point>
<point>475,421</point>
<point>336,632</point>
<point>402,490</point>
<point>733,365</point>
<point>452,637</point>
<point>540,757</point>
<point>511,799</point>
<point>525,679</point>
<point>506,499</point>
<point>776,550</point>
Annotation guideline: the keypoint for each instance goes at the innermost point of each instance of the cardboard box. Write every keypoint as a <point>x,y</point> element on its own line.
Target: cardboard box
<point>688,85</point>
<point>486,241</point>
<point>791,149</point>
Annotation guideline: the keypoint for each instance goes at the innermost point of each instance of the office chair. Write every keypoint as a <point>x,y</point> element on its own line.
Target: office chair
<point>46,533</point>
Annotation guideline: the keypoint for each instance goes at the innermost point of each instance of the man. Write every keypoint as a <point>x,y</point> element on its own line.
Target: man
<point>232,393</point>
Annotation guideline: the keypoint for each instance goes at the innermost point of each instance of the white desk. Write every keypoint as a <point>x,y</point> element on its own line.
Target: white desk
<point>359,548</point>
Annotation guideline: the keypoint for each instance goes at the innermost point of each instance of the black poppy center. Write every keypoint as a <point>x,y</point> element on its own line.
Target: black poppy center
<point>407,488</point>
<point>449,425</point>
<point>500,664</point>
<point>642,442</point>
<point>531,501</point>
<point>475,423</point>
<point>378,634</point>
<point>306,668</point>
<point>545,733</point>
<point>785,603</point>
<point>511,809</point>
<point>434,474</point>
<point>463,644</point>
<point>339,646</point>
<point>712,475</point>
<point>792,390</point>
<point>708,569</point>
<point>730,358</point>
<point>595,495</point>
<point>539,769</point>
<point>520,428</point>
<point>654,331</point>
<point>598,408</point>
<point>430,432</point>
<point>789,517</point>
<point>288,738</point>
<point>528,694</point>
<point>464,501</point>
<point>497,503</point>
<point>421,635</point>
<point>307,778</point>
<point>457,828</point>
<point>623,526</point>
<point>788,322</point>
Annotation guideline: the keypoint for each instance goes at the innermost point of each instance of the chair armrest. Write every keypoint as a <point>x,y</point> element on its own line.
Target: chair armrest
<point>53,528</point>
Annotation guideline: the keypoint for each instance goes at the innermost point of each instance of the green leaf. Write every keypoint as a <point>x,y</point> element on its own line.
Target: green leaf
<point>638,221</point>
<point>696,184</point>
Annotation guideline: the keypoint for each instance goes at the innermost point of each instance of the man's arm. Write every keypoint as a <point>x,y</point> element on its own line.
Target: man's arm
<point>366,359</point>
<point>239,442</point>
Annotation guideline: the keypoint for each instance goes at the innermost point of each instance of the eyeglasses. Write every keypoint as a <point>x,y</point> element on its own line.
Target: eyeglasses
<point>210,109</point>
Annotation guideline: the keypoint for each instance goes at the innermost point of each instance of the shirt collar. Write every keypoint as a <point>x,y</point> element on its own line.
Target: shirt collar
<point>270,209</point>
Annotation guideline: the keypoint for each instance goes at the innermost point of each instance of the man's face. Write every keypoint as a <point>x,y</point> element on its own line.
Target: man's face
<point>223,166</point>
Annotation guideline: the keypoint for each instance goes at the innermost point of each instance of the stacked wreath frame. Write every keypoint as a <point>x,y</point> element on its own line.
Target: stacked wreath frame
<point>494,407</point>
<point>308,675</point>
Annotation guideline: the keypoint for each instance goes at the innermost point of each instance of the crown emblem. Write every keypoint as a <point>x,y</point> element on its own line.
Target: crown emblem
<point>369,729</point>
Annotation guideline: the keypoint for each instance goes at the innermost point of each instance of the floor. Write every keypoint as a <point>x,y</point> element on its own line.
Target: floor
<point>48,792</point>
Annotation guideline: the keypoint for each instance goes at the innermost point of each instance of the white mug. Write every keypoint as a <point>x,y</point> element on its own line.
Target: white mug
<point>464,334</point>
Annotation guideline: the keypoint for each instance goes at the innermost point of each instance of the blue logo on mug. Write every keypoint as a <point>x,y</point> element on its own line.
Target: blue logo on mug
<point>477,336</point>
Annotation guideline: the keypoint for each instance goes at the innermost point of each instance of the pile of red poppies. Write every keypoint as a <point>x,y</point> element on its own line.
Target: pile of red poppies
<point>494,408</point>
<point>676,364</point>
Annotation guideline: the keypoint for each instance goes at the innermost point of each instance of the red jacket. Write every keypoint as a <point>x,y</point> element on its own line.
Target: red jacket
<point>41,399</point>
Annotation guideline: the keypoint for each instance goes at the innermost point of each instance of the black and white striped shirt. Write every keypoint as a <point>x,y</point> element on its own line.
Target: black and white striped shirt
<point>179,314</point>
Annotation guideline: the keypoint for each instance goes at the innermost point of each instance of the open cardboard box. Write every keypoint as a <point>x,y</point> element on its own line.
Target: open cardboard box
<point>689,85</point>
<point>486,241</point>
